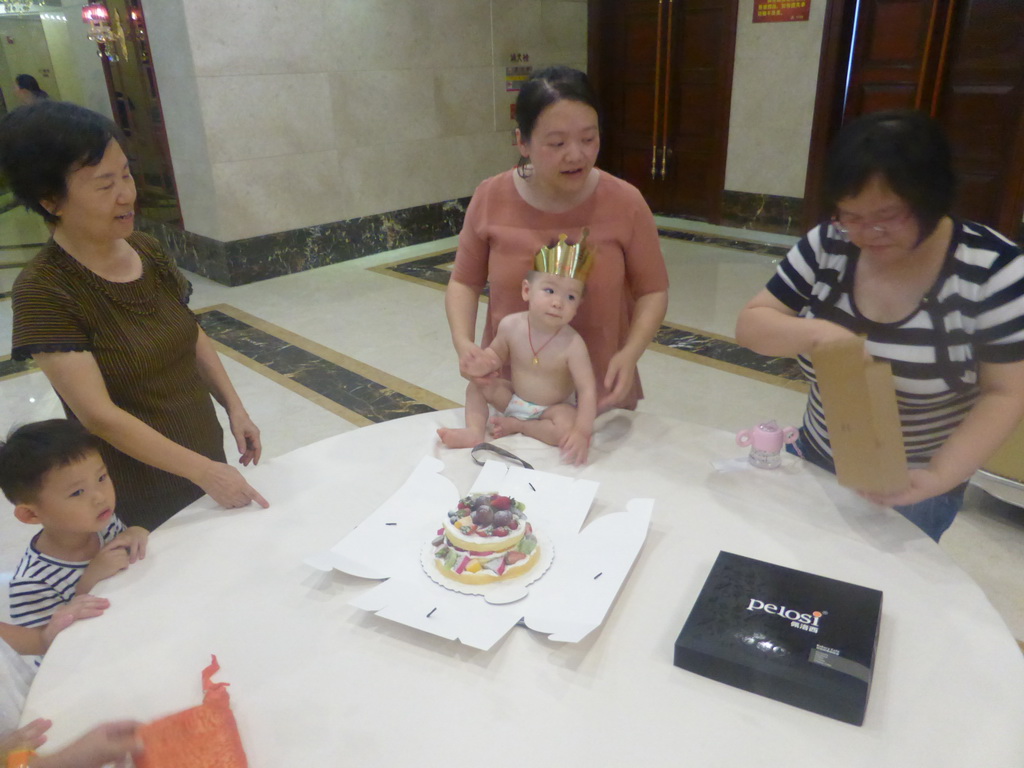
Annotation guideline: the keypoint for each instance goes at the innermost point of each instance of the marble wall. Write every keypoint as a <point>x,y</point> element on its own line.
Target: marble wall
<point>283,117</point>
<point>775,76</point>
<point>58,40</point>
<point>24,49</point>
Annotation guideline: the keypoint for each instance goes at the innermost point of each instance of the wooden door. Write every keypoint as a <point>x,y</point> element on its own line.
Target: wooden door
<point>894,57</point>
<point>980,103</point>
<point>623,71</point>
<point>663,71</point>
<point>962,61</point>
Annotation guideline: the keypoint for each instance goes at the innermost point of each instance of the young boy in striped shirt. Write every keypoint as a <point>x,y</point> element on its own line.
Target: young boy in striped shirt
<point>53,473</point>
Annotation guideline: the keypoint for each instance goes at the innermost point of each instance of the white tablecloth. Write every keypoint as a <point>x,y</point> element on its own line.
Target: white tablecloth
<point>317,682</point>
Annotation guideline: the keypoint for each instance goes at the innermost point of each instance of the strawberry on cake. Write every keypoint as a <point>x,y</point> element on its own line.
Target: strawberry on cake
<point>486,538</point>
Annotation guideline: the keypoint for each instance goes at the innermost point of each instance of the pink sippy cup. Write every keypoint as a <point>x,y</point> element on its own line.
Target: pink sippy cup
<point>766,441</point>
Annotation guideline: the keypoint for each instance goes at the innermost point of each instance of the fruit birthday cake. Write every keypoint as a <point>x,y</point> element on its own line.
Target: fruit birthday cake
<point>486,538</point>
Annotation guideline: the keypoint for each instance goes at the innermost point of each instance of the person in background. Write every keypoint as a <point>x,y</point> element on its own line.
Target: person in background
<point>556,189</point>
<point>27,90</point>
<point>104,313</point>
<point>940,298</point>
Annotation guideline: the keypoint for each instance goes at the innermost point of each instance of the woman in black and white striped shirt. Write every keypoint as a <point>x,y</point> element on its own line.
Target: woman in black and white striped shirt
<point>941,299</point>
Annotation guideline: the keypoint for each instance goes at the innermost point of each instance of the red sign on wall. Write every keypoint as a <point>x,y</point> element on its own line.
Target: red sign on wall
<point>782,10</point>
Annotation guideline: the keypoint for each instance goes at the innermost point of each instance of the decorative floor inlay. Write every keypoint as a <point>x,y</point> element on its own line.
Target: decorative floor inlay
<point>9,368</point>
<point>17,246</point>
<point>725,354</point>
<point>434,270</point>
<point>357,392</point>
<point>778,251</point>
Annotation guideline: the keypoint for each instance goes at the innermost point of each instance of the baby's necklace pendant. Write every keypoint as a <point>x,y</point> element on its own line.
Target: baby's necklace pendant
<point>536,352</point>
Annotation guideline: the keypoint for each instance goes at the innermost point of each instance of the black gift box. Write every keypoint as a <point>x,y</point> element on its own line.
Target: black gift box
<point>796,637</point>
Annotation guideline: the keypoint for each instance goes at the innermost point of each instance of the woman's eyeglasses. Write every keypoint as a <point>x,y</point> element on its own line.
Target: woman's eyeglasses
<point>846,223</point>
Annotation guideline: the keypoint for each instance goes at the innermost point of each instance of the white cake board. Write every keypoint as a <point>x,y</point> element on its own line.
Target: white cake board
<point>568,603</point>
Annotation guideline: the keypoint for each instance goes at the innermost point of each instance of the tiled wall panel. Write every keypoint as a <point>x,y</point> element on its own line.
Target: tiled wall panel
<point>774,80</point>
<point>342,109</point>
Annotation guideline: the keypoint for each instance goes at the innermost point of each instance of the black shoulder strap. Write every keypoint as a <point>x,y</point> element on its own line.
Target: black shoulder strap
<point>485,448</point>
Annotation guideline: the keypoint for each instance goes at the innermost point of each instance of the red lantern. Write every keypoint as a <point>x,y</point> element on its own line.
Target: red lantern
<point>96,13</point>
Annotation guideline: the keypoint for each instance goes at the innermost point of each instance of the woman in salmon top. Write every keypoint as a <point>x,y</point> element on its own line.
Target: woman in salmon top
<point>556,189</point>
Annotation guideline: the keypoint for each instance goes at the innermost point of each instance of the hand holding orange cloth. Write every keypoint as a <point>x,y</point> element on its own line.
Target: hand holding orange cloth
<point>201,737</point>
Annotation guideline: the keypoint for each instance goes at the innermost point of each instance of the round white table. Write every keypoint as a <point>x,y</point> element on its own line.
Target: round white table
<point>317,682</point>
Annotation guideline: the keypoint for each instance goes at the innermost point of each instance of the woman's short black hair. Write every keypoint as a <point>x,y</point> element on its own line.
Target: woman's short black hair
<point>34,449</point>
<point>28,83</point>
<point>42,143</point>
<point>906,148</point>
<point>547,86</point>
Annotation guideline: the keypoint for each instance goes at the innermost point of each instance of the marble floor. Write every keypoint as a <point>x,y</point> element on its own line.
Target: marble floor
<point>321,352</point>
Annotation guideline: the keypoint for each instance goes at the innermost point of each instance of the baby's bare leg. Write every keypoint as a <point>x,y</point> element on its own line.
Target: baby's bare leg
<point>476,422</point>
<point>497,392</point>
<point>550,428</point>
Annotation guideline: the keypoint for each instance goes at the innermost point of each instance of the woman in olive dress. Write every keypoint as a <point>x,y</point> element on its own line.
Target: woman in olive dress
<point>103,312</point>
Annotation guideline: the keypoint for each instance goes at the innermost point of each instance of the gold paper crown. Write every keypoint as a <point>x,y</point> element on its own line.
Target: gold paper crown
<point>564,260</point>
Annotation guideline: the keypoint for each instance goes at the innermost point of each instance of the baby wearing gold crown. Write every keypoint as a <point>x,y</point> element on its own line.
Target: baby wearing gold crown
<point>553,394</point>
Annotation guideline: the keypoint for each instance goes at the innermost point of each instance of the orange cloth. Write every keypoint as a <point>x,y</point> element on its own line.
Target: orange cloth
<point>502,233</point>
<point>201,737</point>
<point>20,758</point>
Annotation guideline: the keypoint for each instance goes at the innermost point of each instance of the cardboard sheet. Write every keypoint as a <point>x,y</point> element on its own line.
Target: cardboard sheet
<point>859,399</point>
<point>567,603</point>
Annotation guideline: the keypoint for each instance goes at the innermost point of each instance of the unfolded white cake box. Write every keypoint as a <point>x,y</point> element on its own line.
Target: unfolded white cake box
<point>567,602</point>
